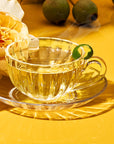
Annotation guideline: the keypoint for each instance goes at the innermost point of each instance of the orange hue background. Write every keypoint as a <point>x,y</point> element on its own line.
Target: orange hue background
<point>99,129</point>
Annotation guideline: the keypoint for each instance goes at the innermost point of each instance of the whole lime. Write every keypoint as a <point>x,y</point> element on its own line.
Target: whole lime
<point>85,11</point>
<point>56,11</point>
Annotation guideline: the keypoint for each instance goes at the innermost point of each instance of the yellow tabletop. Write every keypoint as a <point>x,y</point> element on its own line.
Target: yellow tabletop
<point>99,129</point>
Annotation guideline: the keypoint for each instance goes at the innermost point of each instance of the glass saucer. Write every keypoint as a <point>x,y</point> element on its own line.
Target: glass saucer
<point>90,85</point>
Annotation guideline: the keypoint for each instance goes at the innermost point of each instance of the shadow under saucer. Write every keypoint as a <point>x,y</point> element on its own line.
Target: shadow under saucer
<point>99,105</point>
<point>4,106</point>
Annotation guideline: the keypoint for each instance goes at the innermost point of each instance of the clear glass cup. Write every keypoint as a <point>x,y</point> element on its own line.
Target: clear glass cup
<point>45,70</point>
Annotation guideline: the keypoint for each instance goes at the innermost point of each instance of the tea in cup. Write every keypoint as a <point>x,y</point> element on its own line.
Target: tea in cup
<point>45,69</point>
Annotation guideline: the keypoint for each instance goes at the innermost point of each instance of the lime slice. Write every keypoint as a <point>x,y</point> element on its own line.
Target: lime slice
<point>87,48</point>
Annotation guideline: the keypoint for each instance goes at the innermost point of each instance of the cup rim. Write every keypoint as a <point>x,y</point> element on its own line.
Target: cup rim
<point>41,65</point>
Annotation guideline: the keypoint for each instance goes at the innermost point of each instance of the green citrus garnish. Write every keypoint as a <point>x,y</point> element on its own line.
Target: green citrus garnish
<point>88,50</point>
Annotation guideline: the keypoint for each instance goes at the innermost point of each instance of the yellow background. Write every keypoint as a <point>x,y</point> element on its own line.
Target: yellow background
<point>99,129</point>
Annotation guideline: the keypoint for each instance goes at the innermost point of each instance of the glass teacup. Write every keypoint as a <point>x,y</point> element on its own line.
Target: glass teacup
<point>45,70</point>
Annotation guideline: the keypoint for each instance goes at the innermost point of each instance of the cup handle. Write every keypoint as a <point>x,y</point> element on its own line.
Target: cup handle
<point>94,70</point>
<point>100,63</point>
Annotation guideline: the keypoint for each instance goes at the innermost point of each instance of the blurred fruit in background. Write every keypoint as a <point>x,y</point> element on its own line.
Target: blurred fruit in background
<point>85,11</point>
<point>56,11</point>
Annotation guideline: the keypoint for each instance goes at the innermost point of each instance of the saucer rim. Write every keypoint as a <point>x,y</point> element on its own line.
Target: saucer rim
<point>14,102</point>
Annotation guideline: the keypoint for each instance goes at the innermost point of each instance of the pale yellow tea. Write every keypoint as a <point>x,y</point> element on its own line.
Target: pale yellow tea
<point>52,76</point>
<point>45,69</point>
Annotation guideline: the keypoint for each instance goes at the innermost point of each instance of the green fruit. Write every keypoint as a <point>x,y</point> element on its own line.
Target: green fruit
<point>56,11</point>
<point>85,11</point>
<point>76,54</point>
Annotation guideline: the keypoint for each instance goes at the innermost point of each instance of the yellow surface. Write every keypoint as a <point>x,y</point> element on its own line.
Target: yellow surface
<point>15,129</point>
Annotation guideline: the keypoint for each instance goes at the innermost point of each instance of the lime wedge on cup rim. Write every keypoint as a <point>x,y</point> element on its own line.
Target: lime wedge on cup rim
<point>76,54</point>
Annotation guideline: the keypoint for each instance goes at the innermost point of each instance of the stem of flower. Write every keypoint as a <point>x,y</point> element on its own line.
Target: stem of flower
<point>71,2</point>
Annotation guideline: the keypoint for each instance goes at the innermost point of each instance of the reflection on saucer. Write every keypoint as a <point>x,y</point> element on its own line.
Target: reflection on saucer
<point>99,105</point>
